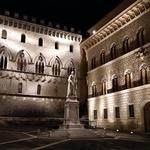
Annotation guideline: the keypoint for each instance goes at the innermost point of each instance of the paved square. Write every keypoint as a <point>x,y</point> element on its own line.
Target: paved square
<point>26,138</point>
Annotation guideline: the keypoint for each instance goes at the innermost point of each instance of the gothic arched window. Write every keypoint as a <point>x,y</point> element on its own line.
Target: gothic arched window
<point>21,62</point>
<point>140,37</point>
<point>113,51</point>
<point>115,84</point>
<point>40,42</point>
<point>4,34</point>
<point>128,82</point>
<point>39,65</point>
<point>23,38</point>
<point>126,45</point>
<point>3,61</point>
<point>56,68</point>
<point>144,75</point>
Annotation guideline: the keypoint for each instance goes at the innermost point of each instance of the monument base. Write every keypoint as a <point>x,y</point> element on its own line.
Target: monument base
<point>71,127</point>
<point>71,114</point>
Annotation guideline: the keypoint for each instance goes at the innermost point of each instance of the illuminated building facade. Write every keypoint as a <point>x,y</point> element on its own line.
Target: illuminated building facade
<point>35,61</point>
<point>118,77</point>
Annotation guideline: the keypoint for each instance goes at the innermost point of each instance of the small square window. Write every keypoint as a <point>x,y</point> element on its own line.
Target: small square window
<point>105,113</point>
<point>39,89</point>
<point>56,45</point>
<point>95,114</point>
<point>117,112</point>
<point>71,48</point>
<point>131,111</point>
<point>20,88</point>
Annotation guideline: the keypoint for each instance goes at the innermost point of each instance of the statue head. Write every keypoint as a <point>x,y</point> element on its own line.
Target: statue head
<point>72,72</point>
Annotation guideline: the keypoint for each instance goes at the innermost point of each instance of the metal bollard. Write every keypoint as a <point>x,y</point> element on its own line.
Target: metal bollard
<point>104,133</point>
<point>50,133</point>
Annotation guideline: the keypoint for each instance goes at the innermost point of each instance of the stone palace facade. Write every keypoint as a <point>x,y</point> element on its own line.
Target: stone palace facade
<point>112,66</point>
<point>118,76</point>
<point>35,62</point>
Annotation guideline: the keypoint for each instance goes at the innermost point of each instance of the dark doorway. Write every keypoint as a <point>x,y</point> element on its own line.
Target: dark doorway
<point>147,117</point>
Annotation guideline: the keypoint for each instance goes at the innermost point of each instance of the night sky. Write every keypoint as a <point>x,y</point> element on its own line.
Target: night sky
<point>73,13</point>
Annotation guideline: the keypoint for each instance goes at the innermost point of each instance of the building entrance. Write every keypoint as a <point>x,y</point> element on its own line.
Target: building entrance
<point>147,117</point>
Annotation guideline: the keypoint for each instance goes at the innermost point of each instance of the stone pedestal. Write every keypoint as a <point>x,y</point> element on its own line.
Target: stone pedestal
<point>71,127</point>
<point>71,114</point>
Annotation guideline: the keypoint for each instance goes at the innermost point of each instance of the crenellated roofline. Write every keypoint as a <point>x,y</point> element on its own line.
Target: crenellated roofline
<point>41,29</point>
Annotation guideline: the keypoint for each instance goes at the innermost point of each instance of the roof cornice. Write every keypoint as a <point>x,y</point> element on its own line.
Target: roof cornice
<point>126,16</point>
<point>41,29</point>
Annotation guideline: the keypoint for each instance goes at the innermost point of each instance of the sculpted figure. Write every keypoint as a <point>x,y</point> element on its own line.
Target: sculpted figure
<point>72,85</point>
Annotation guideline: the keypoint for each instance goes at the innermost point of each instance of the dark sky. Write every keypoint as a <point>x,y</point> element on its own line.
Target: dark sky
<point>76,13</point>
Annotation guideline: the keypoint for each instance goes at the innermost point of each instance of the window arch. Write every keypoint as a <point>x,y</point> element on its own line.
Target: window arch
<point>4,34</point>
<point>56,68</point>
<point>39,65</point>
<point>3,60</point>
<point>102,58</point>
<point>23,38</point>
<point>40,42</point>
<point>70,68</point>
<point>20,86</point>
<point>115,83</point>
<point>140,37</point>
<point>56,45</point>
<point>144,74</point>
<point>113,51</point>
<point>128,81</point>
<point>126,44</point>
<point>21,62</point>
<point>39,89</point>
<point>104,87</point>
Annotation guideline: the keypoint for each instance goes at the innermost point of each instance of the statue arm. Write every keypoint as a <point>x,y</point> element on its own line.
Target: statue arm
<point>69,80</point>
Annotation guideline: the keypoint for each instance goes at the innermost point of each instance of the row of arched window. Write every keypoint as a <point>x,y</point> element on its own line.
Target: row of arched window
<point>113,50</point>
<point>128,82</point>
<point>40,40</point>
<point>39,64</point>
<point>20,88</point>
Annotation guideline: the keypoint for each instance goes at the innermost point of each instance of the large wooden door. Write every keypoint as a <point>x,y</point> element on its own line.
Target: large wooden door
<point>147,117</point>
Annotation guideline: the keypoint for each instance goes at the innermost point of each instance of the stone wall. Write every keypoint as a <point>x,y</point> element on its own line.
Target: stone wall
<point>130,31</point>
<point>133,60</point>
<point>28,103</point>
<point>28,106</point>
<point>137,96</point>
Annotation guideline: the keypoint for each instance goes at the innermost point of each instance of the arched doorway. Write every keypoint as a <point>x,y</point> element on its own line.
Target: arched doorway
<point>147,117</point>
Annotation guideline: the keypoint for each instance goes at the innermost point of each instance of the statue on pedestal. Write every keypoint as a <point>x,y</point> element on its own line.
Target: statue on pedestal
<point>72,85</point>
<point>71,107</point>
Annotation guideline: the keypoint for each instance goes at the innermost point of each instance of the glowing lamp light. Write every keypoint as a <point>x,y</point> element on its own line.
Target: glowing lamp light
<point>117,130</point>
<point>93,31</point>
<point>131,132</point>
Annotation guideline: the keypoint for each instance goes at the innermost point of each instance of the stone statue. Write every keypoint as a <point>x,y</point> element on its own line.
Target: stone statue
<point>72,85</point>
